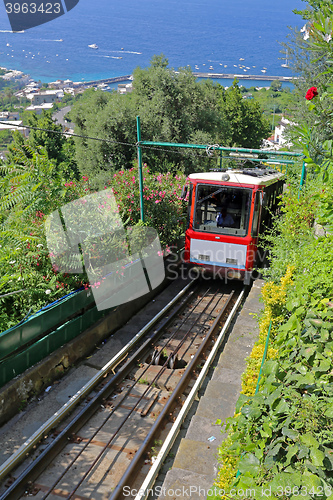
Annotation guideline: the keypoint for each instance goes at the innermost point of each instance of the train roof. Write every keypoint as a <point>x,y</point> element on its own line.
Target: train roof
<point>255,176</point>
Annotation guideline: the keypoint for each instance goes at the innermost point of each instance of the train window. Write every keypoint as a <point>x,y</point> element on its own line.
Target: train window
<point>232,203</point>
<point>256,213</point>
<point>189,207</point>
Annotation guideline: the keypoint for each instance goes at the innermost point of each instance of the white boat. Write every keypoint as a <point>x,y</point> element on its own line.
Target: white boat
<point>285,64</point>
<point>211,67</point>
<point>103,86</point>
<point>93,46</point>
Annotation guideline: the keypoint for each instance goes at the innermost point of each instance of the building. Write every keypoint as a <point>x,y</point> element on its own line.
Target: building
<point>14,125</point>
<point>40,107</point>
<point>6,116</point>
<point>17,76</point>
<point>279,133</point>
<point>60,84</point>
<point>125,88</point>
<point>47,97</point>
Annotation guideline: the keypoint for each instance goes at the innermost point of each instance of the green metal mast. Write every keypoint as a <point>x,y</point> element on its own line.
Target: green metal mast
<point>142,213</point>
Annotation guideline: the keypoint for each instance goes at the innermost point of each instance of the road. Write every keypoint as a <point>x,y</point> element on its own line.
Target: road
<point>59,117</point>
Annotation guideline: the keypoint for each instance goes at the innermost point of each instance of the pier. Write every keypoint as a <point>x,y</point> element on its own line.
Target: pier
<point>108,80</point>
<point>240,76</point>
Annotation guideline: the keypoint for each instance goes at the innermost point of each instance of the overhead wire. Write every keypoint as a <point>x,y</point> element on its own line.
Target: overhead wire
<point>134,145</point>
<point>210,149</point>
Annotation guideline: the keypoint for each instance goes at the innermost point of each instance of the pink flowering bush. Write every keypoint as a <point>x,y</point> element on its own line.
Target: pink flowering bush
<point>163,208</point>
<point>29,191</point>
<point>32,191</point>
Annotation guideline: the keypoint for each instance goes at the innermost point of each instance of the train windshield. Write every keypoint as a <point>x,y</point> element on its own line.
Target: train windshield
<point>222,209</point>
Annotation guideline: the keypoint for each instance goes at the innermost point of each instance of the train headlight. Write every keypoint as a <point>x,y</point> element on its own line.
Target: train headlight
<point>234,275</point>
<point>225,177</point>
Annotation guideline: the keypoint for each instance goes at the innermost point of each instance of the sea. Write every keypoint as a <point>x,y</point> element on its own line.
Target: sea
<point>223,36</point>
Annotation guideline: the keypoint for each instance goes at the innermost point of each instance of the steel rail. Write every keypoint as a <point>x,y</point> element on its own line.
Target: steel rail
<point>183,340</point>
<point>115,433</point>
<point>136,462</point>
<point>33,440</point>
<point>97,458</point>
<point>170,439</point>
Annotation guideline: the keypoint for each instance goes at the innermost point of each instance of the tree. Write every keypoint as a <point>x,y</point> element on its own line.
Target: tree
<point>247,123</point>
<point>47,136</point>
<point>173,107</point>
<point>111,119</point>
<point>310,54</point>
<point>276,86</point>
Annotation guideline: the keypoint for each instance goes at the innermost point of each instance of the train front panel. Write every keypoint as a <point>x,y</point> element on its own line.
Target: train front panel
<point>223,226</point>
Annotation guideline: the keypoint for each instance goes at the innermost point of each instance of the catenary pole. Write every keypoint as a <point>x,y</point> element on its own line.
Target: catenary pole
<point>302,179</point>
<point>142,214</point>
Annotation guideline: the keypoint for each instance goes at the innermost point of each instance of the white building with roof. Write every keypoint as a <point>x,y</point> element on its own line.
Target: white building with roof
<point>47,96</point>
<point>9,115</point>
<point>14,125</point>
<point>279,133</point>
<point>125,88</point>
<point>38,108</point>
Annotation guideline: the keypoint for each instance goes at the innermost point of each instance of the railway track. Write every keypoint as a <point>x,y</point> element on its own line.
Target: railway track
<point>101,442</point>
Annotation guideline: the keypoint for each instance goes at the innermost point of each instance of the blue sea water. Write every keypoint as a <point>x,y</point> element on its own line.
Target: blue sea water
<point>202,33</point>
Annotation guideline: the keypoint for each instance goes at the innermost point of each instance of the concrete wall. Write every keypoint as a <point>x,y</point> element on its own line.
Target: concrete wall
<point>14,394</point>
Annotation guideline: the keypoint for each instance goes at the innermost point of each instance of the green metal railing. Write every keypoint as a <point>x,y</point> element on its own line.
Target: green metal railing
<point>275,157</point>
<point>28,343</point>
<point>45,320</point>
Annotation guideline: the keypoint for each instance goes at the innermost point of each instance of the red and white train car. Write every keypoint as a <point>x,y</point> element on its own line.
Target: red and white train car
<point>226,245</point>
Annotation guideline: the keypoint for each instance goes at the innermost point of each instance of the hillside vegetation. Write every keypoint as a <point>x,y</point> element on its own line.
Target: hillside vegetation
<point>280,441</point>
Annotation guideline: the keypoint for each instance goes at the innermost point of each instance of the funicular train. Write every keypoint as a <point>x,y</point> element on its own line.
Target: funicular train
<point>227,212</point>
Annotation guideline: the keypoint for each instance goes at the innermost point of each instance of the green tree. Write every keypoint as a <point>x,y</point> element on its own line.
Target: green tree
<point>46,133</point>
<point>247,123</point>
<point>311,54</point>
<point>29,190</point>
<point>276,86</point>
<point>172,107</point>
<point>47,136</point>
<point>111,119</point>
